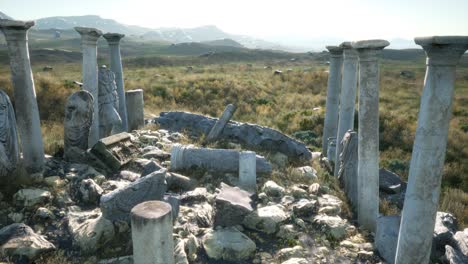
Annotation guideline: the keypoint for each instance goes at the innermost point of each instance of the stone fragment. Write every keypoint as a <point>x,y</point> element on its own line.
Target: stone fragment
<point>232,205</point>
<point>31,197</point>
<point>298,192</point>
<point>292,252</point>
<point>348,166</point>
<point>249,135</point>
<point>386,236</point>
<point>445,227</point>
<point>180,256</point>
<point>109,118</point>
<point>273,189</point>
<point>228,244</point>
<point>453,256</point>
<point>287,232</point>
<point>20,242</point>
<point>389,182</point>
<point>306,172</point>
<point>314,188</point>
<point>150,167</point>
<point>9,145</point>
<point>117,204</point>
<point>305,207</point>
<point>157,154</point>
<point>221,123</point>
<point>199,194</point>
<point>204,214</point>
<point>191,247</point>
<point>335,225</point>
<point>461,241</point>
<point>90,192</point>
<point>90,230</point>
<point>266,219</point>
<point>135,109</point>
<point>296,261</point>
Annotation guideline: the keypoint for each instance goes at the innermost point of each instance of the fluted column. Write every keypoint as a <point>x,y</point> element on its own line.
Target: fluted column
<point>427,161</point>
<point>89,37</point>
<point>113,39</point>
<point>27,111</point>
<point>368,135</point>
<point>347,97</point>
<point>333,95</point>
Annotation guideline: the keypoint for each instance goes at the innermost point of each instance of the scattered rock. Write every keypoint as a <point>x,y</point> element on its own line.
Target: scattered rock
<point>296,261</point>
<point>314,188</point>
<point>306,172</point>
<point>287,232</point>
<point>19,241</point>
<point>461,241</point>
<point>273,189</point>
<point>128,175</point>
<point>279,159</point>
<point>31,197</point>
<point>298,192</point>
<point>453,256</point>
<point>90,192</point>
<point>293,252</point>
<point>199,194</point>
<point>266,219</point>
<point>335,225</point>
<point>44,214</point>
<point>180,256</point>
<point>150,167</point>
<point>228,244</point>
<point>232,205</point>
<point>389,182</point>
<point>445,226</point>
<point>305,207</point>
<point>204,214</point>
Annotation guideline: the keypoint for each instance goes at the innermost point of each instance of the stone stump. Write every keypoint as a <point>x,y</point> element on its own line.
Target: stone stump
<point>135,109</point>
<point>248,170</point>
<point>152,233</point>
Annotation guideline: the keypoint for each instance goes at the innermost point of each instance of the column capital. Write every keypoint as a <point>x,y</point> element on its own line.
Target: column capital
<point>368,50</point>
<point>443,50</point>
<point>348,51</point>
<point>89,36</point>
<point>15,29</point>
<point>335,51</point>
<point>113,38</point>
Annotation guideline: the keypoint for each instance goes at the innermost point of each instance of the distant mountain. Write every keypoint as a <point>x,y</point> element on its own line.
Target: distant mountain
<point>223,42</point>
<point>4,16</point>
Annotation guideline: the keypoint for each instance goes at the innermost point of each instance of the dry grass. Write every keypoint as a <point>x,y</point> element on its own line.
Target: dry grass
<point>455,201</point>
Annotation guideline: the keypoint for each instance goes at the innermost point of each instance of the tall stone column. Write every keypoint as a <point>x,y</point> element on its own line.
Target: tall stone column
<point>368,136</point>
<point>427,161</point>
<point>113,39</point>
<point>27,112</point>
<point>89,37</point>
<point>347,97</point>
<point>333,95</point>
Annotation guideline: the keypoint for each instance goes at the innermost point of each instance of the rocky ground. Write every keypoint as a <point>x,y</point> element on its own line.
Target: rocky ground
<point>294,218</point>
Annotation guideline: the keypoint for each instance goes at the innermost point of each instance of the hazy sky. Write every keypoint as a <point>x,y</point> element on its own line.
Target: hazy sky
<point>301,19</point>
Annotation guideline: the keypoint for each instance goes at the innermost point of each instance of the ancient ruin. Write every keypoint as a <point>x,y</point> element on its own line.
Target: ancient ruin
<point>9,149</point>
<point>109,119</point>
<point>135,109</point>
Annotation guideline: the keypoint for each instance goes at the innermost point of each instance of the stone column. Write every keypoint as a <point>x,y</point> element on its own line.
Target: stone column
<point>113,39</point>
<point>427,161</point>
<point>89,37</point>
<point>221,123</point>
<point>248,171</point>
<point>152,233</point>
<point>135,109</point>
<point>368,136</point>
<point>27,111</point>
<point>333,95</point>
<point>347,97</point>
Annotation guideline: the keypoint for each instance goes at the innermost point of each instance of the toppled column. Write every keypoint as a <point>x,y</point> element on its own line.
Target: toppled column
<point>368,137</point>
<point>89,37</point>
<point>135,109</point>
<point>221,123</point>
<point>219,160</point>
<point>333,95</point>
<point>27,111</point>
<point>427,161</point>
<point>347,96</point>
<point>348,166</point>
<point>152,233</point>
<point>113,39</point>
<point>248,170</point>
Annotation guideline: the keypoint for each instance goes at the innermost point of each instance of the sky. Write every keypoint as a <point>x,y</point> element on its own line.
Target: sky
<point>270,19</point>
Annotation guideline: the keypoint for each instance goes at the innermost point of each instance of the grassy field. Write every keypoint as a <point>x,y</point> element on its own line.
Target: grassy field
<point>291,102</point>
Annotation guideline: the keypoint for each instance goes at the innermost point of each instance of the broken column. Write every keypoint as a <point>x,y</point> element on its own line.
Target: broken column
<point>333,95</point>
<point>152,233</point>
<point>221,123</point>
<point>248,170</point>
<point>347,97</point>
<point>89,37</point>
<point>113,39</point>
<point>135,109</point>
<point>218,160</point>
<point>348,166</point>
<point>427,161</point>
<point>27,111</point>
<point>368,136</point>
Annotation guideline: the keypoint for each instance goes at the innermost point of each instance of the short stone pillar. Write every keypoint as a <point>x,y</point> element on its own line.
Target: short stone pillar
<point>248,171</point>
<point>89,37</point>
<point>152,233</point>
<point>368,136</point>
<point>135,109</point>
<point>348,167</point>
<point>27,111</point>
<point>113,39</point>
<point>427,161</point>
<point>347,96</point>
<point>333,95</point>
<point>221,123</point>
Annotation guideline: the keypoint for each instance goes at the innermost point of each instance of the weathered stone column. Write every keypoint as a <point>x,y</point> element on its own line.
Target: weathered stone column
<point>333,95</point>
<point>113,39</point>
<point>427,161</point>
<point>248,171</point>
<point>89,37</point>
<point>135,109</point>
<point>347,97</point>
<point>221,123</point>
<point>152,233</point>
<point>368,136</point>
<point>27,111</point>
